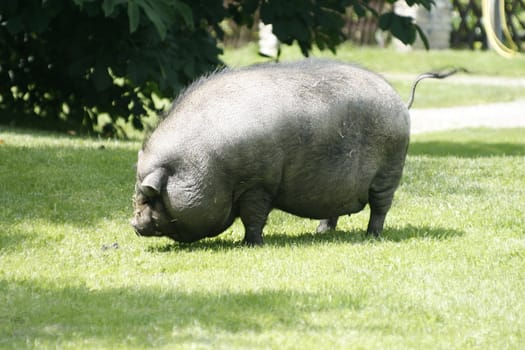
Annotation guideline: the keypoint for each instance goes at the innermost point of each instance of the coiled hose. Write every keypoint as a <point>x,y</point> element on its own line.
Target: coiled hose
<point>488,14</point>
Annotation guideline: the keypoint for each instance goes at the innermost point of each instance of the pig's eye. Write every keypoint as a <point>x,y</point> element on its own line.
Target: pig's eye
<point>141,199</point>
<point>147,200</point>
<point>151,201</point>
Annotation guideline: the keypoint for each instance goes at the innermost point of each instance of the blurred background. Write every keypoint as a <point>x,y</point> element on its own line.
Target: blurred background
<point>109,67</point>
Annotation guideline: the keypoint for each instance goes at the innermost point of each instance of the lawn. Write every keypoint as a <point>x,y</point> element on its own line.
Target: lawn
<point>448,273</point>
<point>401,68</point>
<point>390,60</point>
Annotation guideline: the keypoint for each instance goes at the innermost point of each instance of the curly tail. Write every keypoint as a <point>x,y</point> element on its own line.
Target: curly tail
<point>433,75</point>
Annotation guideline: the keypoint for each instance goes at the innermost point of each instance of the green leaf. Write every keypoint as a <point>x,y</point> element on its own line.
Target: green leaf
<point>425,3</point>
<point>402,27</point>
<point>359,9</point>
<point>15,25</point>
<point>9,7</point>
<point>250,6</point>
<point>101,78</point>
<point>422,36</point>
<point>155,15</point>
<point>108,6</point>
<point>385,21</point>
<point>185,12</point>
<point>133,15</point>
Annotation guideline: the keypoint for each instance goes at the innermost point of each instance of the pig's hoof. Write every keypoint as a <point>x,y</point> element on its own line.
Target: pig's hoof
<point>373,235</point>
<point>253,243</point>
<point>322,228</point>
<point>327,225</point>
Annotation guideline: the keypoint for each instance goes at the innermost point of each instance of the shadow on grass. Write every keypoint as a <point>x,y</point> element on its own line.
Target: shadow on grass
<point>308,239</point>
<point>39,312</point>
<point>10,240</point>
<point>356,237</point>
<point>465,150</point>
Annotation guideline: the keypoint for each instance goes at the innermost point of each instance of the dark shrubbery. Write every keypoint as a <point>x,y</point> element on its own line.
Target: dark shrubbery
<point>64,62</point>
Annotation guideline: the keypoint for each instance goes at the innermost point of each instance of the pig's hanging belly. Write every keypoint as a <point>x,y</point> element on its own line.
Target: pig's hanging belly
<point>320,188</point>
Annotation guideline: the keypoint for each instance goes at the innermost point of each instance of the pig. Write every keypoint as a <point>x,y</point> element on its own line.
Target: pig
<point>317,138</point>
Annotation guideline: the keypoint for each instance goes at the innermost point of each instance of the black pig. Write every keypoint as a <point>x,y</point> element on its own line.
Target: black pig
<point>317,139</point>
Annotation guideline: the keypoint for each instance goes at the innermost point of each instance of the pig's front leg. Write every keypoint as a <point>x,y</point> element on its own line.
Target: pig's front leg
<point>254,206</point>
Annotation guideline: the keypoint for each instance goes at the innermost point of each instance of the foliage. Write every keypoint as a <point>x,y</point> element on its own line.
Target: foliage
<point>67,62</point>
<point>448,272</point>
<point>320,22</point>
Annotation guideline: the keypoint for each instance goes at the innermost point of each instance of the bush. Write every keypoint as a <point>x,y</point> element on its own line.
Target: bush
<point>66,62</point>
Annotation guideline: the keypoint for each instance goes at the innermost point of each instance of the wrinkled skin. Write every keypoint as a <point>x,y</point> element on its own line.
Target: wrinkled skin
<point>318,139</point>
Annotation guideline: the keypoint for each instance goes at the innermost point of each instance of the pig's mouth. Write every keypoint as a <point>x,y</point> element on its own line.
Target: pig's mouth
<point>144,230</point>
<point>155,232</point>
<point>151,219</point>
<point>152,229</point>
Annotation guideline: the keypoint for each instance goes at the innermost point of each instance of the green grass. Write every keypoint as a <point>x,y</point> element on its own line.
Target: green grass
<point>440,94</point>
<point>393,61</point>
<point>430,94</point>
<point>449,271</point>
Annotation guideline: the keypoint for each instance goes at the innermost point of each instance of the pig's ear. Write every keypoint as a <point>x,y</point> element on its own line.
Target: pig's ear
<point>152,184</point>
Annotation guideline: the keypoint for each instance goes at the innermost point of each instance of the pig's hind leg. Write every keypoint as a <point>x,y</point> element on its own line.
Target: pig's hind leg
<point>327,224</point>
<point>380,196</point>
<point>380,203</point>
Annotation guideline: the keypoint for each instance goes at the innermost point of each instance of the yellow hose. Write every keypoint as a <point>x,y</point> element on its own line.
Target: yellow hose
<point>493,39</point>
<point>505,27</point>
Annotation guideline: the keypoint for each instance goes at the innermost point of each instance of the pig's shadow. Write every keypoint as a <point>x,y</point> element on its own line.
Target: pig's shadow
<point>408,232</point>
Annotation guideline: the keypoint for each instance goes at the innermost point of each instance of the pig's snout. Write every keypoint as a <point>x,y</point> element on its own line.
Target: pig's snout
<point>134,223</point>
<point>142,229</point>
<point>142,222</point>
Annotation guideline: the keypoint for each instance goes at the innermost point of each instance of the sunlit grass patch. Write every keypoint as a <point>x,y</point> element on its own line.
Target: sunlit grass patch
<point>447,272</point>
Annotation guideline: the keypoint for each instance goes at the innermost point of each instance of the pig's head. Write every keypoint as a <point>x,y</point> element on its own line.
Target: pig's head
<point>173,204</point>
<point>177,200</point>
<point>151,202</point>
<point>151,217</point>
